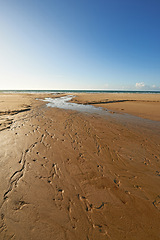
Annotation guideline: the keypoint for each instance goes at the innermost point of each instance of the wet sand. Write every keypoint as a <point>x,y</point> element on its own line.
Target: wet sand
<point>72,175</point>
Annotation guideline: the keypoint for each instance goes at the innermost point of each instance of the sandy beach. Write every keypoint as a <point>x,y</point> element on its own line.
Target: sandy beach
<point>142,105</point>
<point>67,175</point>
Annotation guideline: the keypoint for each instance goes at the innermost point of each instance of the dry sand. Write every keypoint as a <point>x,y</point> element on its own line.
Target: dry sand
<point>69,175</point>
<point>142,105</point>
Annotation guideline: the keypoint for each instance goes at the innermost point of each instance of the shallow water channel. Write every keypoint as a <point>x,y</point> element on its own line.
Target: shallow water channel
<point>63,102</point>
<point>124,118</point>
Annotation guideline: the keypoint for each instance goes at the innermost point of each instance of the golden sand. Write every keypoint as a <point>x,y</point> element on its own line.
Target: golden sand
<point>69,175</point>
<point>143,105</point>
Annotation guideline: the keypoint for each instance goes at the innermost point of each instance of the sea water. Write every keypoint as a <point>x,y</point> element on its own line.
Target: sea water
<point>77,91</point>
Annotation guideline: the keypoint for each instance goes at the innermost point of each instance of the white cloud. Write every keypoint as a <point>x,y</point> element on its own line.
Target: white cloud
<point>140,85</point>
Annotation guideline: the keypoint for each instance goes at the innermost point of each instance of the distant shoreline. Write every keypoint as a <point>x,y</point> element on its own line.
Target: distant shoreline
<point>79,91</point>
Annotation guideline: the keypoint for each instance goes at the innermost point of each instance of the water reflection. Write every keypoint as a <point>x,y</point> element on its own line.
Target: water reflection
<point>63,102</point>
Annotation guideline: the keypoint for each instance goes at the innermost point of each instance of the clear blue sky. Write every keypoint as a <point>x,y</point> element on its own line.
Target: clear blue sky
<point>80,44</point>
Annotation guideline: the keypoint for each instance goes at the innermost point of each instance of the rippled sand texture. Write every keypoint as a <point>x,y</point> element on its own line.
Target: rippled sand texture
<point>69,175</point>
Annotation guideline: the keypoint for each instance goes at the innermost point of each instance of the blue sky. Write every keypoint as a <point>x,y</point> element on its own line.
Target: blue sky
<point>80,44</point>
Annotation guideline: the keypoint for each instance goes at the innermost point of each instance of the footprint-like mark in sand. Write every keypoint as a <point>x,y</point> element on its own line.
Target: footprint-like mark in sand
<point>18,205</point>
<point>147,161</point>
<point>158,173</point>
<point>100,169</point>
<point>156,202</point>
<point>84,200</point>
<point>54,173</point>
<point>117,182</point>
<point>102,228</point>
<point>59,197</point>
<point>73,218</point>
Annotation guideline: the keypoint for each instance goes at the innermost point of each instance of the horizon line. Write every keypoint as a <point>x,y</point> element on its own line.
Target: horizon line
<point>80,90</point>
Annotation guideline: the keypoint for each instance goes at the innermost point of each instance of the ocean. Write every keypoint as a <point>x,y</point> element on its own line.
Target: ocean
<point>77,91</point>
